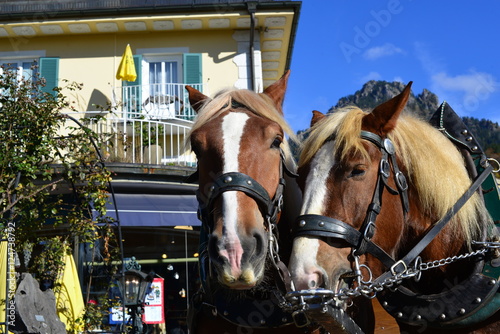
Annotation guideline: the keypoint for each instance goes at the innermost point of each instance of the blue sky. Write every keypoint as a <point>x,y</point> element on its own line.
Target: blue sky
<point>451,48</point>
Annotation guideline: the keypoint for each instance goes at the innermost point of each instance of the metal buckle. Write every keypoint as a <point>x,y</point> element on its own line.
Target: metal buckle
<point>368,232</point>
<point>389,146</point>
<point>385,168</point>
<point>401,180</point>
<point>395,265</point>
<point>300,319</point>
<point>280,203</point>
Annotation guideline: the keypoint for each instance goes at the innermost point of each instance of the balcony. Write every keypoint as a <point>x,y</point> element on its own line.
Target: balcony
<point>148,125</point>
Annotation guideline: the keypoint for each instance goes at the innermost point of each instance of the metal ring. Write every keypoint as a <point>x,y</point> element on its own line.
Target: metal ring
<point>416,267</point>
<point>490,160</point>
<point>369,272</point>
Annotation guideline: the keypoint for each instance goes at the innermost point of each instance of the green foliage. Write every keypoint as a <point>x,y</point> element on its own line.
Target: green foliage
<point>51,176</point>
<point>95,312</point>
<point>50,263</point>
<point>148,132</point>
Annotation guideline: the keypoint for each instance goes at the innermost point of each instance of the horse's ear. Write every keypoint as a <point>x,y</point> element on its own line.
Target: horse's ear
<point>277,90</point>
<point>384,117</point>
<point>196,98</point>
<point>317,116</point>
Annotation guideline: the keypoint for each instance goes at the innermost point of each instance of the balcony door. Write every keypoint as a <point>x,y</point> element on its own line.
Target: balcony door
<point>162,95</point>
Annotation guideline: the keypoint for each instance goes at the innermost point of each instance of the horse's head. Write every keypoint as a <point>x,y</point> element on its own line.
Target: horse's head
<point>338,174</point>
<point>372,184</point>
<point>239,138</point>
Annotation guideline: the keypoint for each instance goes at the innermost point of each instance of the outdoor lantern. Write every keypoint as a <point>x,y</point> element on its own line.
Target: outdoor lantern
<point>136,285</point>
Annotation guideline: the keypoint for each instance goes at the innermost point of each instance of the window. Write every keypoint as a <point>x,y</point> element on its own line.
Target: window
<point>25,69</point>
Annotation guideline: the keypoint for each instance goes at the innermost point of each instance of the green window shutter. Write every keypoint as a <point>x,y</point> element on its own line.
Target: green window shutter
<point>138,71</point>
<point>49,69</point>
<point>132,90</point>
<point>192,68</point>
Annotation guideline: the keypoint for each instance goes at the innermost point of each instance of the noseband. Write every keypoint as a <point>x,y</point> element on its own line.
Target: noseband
<point>360,240</point>
<point>235,181</point>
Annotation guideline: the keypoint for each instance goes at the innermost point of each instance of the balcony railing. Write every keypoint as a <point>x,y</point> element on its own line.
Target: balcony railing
<point>148,125</point>
<point>155,101</point>
<point>143,141</point>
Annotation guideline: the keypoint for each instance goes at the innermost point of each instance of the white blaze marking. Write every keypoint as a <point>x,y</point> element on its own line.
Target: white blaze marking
<point>232,130</point>
<point>315,192</point>
<point>305,250</point>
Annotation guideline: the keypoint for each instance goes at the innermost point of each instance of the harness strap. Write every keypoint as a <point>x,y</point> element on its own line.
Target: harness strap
<point>402,264</point>
<point>327,227</point>
<point>235,181</point>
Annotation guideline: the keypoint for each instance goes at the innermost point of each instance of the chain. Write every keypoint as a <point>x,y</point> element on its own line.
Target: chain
<point>273,244</point>
<point>448,260</point>
<point>300,299</point>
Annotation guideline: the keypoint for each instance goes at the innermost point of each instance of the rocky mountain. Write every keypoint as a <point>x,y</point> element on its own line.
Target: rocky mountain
<point>374,93</point>
<point>424,104</point>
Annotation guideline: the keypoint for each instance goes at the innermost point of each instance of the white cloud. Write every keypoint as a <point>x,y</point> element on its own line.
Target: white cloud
<point>471,84</point>
<point>467,93</point>
<point>471,88</point>
<point>429,62</point>
<point>385,50</point>
<point>370,76</point>
<point>398,79</point>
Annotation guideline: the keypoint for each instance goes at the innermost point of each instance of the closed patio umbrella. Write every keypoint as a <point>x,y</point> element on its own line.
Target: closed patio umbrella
<point>126,69</point>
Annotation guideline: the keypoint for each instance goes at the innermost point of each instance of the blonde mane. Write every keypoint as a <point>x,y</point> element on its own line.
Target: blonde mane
<point>434,167</point>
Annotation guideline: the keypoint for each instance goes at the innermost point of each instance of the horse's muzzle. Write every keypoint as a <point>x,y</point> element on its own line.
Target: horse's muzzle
<point>238,263</point>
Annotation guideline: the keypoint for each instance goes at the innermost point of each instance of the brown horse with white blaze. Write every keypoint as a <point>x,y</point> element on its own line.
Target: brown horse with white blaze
<point>248,198</point>
<point>389,211</point>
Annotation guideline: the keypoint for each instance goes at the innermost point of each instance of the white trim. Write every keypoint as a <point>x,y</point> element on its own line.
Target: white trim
<point>162,51</point>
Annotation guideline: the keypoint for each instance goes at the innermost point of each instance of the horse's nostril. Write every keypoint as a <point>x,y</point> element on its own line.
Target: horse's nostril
<point>214,250</point>
<point>316,280</point>
<point>260,244</point>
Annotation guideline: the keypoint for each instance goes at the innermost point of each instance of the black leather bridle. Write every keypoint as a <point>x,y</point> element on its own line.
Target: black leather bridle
<point>236,181</point>
<point>270,208</point>
<point>360,240</point>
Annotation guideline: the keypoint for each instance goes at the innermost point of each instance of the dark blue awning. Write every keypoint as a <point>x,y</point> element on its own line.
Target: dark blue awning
<point>155,210</point>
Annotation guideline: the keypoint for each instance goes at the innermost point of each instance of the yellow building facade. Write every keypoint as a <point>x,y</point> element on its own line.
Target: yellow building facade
<point>208,44</point>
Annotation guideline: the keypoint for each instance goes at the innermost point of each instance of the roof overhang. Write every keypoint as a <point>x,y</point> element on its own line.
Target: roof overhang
<point>276,22</point>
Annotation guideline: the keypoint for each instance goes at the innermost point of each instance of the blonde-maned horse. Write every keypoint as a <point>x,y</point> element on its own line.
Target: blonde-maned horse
<point>376,221</point>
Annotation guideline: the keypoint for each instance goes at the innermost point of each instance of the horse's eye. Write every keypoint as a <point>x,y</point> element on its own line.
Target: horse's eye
<point>277,142</point>
<point>357,171</point>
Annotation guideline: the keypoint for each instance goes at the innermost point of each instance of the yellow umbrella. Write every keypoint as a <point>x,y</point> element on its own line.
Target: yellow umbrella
<point>69,299</point>
<point>126,69</point>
